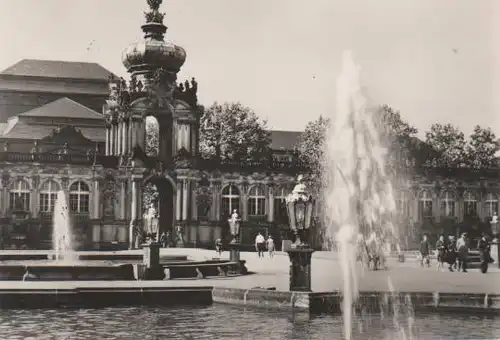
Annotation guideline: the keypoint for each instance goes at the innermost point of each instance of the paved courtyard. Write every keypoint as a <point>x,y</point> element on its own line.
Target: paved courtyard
<point>326,275</point>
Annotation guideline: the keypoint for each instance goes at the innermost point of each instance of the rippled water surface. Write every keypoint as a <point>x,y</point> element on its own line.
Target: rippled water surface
<point>225,322</point>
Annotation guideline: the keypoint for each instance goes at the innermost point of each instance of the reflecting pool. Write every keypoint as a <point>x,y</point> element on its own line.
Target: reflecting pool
<point>228,322</point>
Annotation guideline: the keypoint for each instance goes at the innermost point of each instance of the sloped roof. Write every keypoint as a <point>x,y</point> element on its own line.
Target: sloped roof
<point>26,131</point>
<point>58,69</point>
<point>63,107</point>
<point>284,140</point>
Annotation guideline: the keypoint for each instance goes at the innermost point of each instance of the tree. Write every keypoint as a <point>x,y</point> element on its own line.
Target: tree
<point>232,131</point>
<point>449,143</point>
<point>398,135</point>
<point>311,142</point>
<point>482,148</point>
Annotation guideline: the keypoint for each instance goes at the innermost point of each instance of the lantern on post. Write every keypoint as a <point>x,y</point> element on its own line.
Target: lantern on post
<point>299,207</point>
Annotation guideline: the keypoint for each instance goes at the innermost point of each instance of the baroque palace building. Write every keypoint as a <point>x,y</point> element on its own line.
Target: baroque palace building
<point>76,127</point>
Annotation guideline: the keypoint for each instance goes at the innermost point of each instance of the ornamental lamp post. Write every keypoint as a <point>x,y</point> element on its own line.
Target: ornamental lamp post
<point>299,207</point>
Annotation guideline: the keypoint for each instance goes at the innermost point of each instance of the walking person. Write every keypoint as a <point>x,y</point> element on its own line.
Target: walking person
<point>451,253</point>
<point>463,252</point>
<point>441,251</point>
<point>425,249</point>
<point>270,246</point>
<point>484,253</point>
<point>260,245</point>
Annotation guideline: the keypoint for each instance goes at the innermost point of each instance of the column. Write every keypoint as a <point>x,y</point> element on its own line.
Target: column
<point>436,209</point>
<point>244,202</point>
<point>133,215</point>
<point>96,210</point>
<point>123,199</point>
<point>112,144</point>
<point>35,199</point>
<point>125,139</point>
<point>178,194</point>
<point>96,228</point>
<point>270,204</point>
<point>214,207</point>
<point>107,141</point>
<point>185,201</point>
<point>217,202</point>
<point>194,206</point>
<point>120,137</point>
<point>141,134</point>
<point>129,137</point>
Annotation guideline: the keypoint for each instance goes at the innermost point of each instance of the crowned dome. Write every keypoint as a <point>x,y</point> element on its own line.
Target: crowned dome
<point>153,52</point>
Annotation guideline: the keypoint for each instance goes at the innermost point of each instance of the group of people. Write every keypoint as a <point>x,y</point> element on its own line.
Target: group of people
<point>261,245</point>
<point>454,253</point>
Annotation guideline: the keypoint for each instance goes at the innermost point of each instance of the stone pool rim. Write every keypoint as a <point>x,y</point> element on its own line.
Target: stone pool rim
<point>152,293</point>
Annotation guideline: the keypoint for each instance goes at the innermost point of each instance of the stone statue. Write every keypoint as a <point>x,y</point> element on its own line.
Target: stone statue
<point>179,237</point>
<point>234,225</point>
<point>300,202</point>
<point>34,150</point>
<point>152,222</point>
<point>6,147</point>
<point>494,226</point>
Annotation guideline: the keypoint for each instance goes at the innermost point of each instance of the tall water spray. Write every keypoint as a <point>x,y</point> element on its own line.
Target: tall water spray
<point>357,189</point>
<point>61,230</point>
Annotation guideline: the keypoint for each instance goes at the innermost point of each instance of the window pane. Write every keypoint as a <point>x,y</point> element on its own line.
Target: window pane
<point>73,202</point>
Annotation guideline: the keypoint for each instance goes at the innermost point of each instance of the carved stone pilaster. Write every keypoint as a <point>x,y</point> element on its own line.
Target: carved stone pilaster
<point>65,183</point>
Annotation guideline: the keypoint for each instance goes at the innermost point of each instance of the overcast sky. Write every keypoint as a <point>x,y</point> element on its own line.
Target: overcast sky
<point>435,61</point>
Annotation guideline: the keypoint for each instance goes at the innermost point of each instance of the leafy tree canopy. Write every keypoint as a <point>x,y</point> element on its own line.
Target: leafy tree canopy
<point>231,131</point>
<point>312,140</point>
<point>449,143</point>
<point>482,148</point>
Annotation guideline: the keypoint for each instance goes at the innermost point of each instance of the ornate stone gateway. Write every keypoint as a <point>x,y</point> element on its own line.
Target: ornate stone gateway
<point>153,64</point>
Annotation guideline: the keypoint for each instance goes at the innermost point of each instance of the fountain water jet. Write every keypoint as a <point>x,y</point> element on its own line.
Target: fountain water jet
<point>357,189</point>
<point>62,237</point>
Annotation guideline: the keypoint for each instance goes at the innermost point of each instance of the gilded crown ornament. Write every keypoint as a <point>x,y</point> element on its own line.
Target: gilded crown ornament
<point>154,4</point>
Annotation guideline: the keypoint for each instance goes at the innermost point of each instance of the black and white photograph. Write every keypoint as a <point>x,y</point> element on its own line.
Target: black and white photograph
<point>260,169</point>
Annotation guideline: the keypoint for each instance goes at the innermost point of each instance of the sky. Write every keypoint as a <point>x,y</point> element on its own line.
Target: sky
<point>435,61</point>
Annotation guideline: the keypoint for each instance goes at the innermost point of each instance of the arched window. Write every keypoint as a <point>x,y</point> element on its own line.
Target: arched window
<point>19,196</point>
<point>447,204</point>
<point>79,197</point>
<point>256,201</point>
<point>280,214</point>
<point>491,204</point>
<point>470,204</point>
<point>230,200</point>
<point>425,204</point>
<point>48,196</point>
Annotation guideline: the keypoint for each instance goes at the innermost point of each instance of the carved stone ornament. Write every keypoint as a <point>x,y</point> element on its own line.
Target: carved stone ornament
<point>109,196</point>
<point>160,89</point>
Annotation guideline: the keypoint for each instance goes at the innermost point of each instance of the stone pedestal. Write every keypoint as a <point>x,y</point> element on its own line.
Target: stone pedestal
<point>234,256</point>
<point>151,260</point>
<point>234,251</point>
<point>300,268</point>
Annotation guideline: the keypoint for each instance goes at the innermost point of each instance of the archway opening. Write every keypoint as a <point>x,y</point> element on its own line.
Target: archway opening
<point>157,208</point>
<point>152,144</point>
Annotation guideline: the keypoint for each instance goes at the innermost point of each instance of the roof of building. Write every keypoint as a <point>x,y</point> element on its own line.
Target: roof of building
<point>58,69</point>
<point>63,107</point>
<point>284,140</point>
<point>35,132</point>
